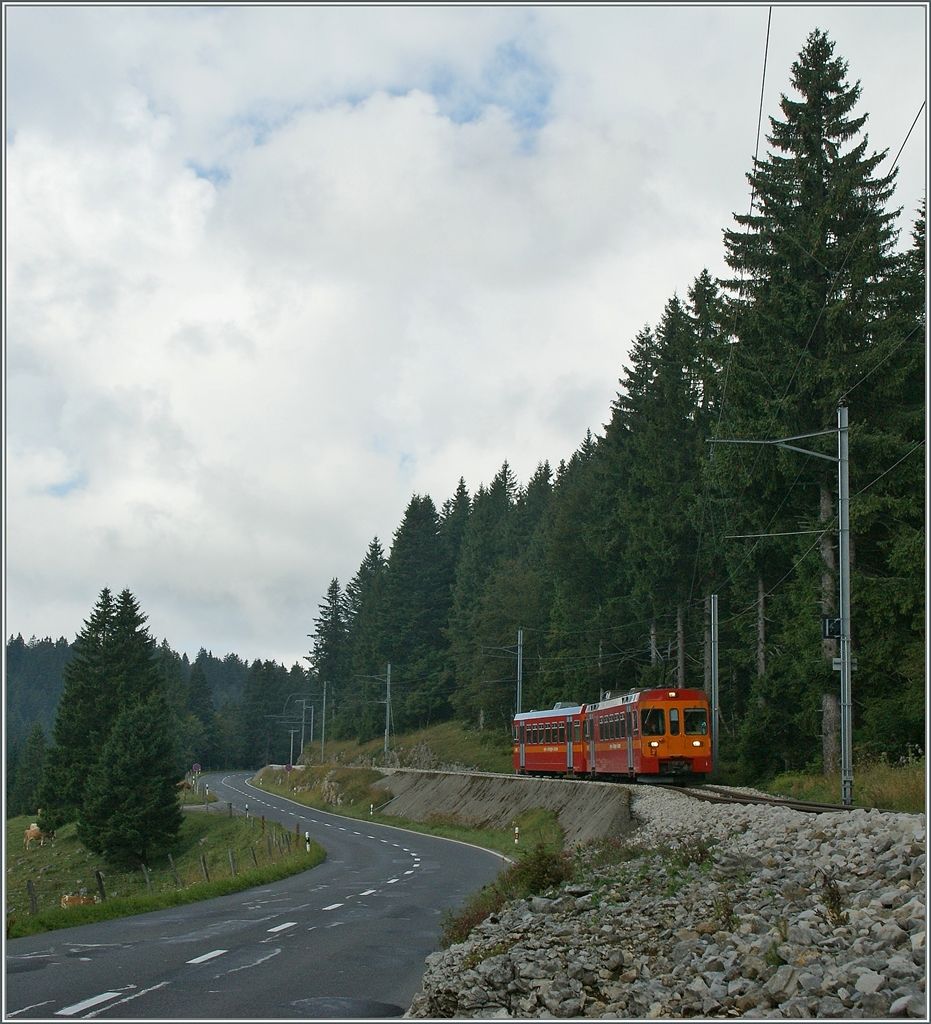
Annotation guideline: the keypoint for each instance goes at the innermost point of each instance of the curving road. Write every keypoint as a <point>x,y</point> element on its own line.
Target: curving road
<point>345,939</point>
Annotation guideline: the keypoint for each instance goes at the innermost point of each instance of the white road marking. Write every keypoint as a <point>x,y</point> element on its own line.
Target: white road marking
<point>334,906</point>
<point>256,963</point>
<point>282,927</point>
<point>368,892</point>
<point>208,956</point>
<point>32,1006</point>
<point>128,999</point>
<point>409,872</point>
<point>85,1004</point>
<point>391,881</point>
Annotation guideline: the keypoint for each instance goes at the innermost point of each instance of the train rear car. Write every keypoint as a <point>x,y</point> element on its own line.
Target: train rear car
<point>550,742</point>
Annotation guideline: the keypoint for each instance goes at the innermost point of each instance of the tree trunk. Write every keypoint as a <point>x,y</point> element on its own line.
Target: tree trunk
<point>830,702</point>
<point>708,644</point>
<point>654,653</point>
<point>680,647</point>
<point>761,628</point>
<point>830,731</point>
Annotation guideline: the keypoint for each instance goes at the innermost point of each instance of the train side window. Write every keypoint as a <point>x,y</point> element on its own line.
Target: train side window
<point>614,731</point>
<point>586,729</point>
<point>633,719</point>
<point>562,732</point>
<point>547,733</point>
<point>622,732</point>
<point>696,722</point>
<point>576,732</point>
<point>673,721</point>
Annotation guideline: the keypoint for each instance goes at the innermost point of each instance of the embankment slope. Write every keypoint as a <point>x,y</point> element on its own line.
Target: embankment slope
<point>585,812</point>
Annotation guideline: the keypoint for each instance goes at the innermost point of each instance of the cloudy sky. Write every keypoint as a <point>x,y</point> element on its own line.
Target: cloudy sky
<point>271,271</point>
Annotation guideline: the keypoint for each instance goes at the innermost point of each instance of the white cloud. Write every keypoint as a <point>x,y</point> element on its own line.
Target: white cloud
<point>270,271</point>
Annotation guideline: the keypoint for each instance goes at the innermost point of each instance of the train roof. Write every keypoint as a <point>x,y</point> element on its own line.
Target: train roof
<point>563,706</point>
<point>655,693</point>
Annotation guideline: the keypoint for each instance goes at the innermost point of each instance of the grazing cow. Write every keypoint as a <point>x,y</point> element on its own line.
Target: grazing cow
<point>34,832</point>
<point>69,900</point>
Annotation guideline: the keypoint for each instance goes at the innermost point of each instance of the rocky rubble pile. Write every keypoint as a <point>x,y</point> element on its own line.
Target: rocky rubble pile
<point>709,911</point>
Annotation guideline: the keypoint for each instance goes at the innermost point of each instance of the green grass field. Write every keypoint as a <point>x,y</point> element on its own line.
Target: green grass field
<point>258,857</point>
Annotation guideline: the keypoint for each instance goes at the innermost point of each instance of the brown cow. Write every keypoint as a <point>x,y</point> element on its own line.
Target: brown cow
<point>69,900</point>
<point>34,832</point>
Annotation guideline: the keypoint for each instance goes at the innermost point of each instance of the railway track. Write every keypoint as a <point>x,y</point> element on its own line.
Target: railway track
<point>722,795</point>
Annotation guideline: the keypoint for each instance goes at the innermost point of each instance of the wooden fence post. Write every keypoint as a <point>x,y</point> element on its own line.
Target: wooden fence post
<point>174,871</point>
<point>148,881</point>
<point>232,862</point>
<point>203,864</point>
<point>100,889</point>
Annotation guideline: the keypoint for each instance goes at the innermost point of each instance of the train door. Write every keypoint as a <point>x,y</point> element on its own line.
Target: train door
<point>569,765</point>
<point>591,744</point>
<point>628,716</point>
<point>523,750</point>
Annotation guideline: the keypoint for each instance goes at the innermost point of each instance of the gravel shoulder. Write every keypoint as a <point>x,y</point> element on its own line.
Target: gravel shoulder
<point>713,911</point>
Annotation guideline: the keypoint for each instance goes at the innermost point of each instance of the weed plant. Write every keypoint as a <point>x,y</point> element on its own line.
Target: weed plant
<point>540,870</point>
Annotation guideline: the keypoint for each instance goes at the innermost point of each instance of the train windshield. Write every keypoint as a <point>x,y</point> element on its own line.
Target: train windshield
<point>696,722</point>
<point>652,722</point>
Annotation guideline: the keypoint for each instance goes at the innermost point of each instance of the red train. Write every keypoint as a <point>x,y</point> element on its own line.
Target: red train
<point>652,735</point>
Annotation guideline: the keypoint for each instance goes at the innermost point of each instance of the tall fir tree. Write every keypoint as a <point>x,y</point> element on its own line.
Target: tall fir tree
<point>130,810</point>
<point>815,274</point>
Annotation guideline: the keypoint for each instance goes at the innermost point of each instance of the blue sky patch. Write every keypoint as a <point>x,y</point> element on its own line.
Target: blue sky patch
<point>513,79</point>
<point>75,483</point>
<point>216,175</point>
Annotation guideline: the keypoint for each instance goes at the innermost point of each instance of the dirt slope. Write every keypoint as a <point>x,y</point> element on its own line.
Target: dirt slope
<point>585,812</point>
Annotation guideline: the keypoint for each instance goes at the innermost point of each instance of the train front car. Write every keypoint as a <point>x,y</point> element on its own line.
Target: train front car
<point>650,735</point>
<point>550,742</point>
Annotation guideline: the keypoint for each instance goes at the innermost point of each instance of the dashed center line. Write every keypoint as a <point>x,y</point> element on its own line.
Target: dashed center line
<point>282,927</point>
<point>368,892</point>
<point>207,956</point>
<point>334,906</point>
<point>391,881</point>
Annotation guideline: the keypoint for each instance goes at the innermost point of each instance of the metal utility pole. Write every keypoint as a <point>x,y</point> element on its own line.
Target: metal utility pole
<point>843,664</point>
<point>843,573</point>
<point>387,711</point>
<point>520,668</point>
<point>323,726</point>
<point>715,705</point>
<point>291,758</point>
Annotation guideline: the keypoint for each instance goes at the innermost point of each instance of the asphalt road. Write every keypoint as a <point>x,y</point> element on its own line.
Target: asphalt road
<point>345,939</point>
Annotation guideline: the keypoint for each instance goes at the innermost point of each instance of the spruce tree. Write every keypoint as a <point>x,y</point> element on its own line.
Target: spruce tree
<point>815,277</point>
<point>130,812</point>
<point>85,714</point>
<point>28,775</point>
<point>113,666</point>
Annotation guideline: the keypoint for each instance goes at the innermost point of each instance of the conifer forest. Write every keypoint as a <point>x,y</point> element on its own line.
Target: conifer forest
<point>605,564</point>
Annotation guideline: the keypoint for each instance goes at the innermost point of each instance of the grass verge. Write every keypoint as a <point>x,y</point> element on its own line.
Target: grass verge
<point>875,784</point>
<point>352,792</point>
<point>259,856</point>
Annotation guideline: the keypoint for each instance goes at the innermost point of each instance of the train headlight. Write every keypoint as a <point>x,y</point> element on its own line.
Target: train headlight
<point>672,693</point>
<point>653,743</point>
<point>696,743</point>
